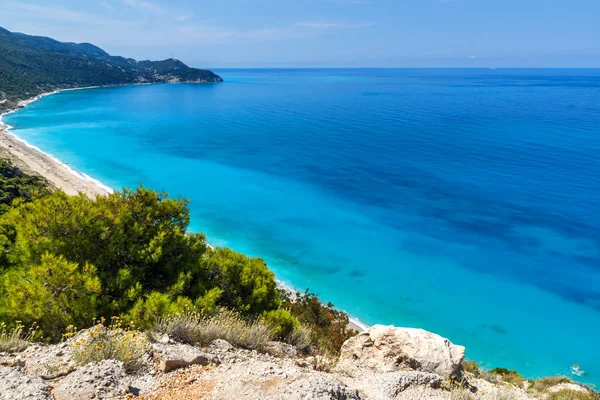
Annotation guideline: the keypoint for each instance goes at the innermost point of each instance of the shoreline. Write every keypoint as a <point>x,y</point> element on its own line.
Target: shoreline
<point>60,175</point>
<point>35,161</point>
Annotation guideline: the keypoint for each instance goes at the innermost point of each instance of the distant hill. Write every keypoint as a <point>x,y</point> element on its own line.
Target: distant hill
<point>30,65</point>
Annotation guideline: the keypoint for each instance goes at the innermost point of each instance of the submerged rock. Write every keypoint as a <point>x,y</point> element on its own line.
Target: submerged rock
<point>388,349</point>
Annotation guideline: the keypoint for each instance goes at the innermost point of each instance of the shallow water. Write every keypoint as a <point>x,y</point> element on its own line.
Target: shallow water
<point>461,201</point>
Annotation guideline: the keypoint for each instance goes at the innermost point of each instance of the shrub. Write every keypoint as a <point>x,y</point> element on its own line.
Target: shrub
<point>113,342</point>
<point>155,305</point>
<point>543,384</point>
<point>301,337</point>
<point>136,240</point>
<point>55,293</point>
<point>246,284</point>
<point>504,375</point>
<point>14,184</point>
<point>472,367</point>
<point>194,328</point>
<point>15,340</point>
<point>281,322</point>
<point>329,326</point>
<point>126,254</point>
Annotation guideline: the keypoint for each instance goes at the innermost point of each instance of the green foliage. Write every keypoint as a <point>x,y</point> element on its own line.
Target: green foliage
<point>281,322</point>
<point>247,285</point>
<point>70,259</point>
<point>54,293</point>
<point>155,305</point>
<point>30,65</point>
<point>329,326</point>
<point>136,240</point>
<point>14,184</point>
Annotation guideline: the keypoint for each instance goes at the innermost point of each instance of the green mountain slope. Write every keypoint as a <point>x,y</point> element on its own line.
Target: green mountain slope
<point>30,65</point>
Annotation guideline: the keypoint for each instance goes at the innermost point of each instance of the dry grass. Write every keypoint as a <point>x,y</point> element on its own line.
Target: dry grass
<point>301,337</point>
<point>543,384</point>
<point>16,339</point>
<point>567,394</point>
<point>193,328</point>
<point>472,367</point>
<point>113,342</point>
<point>459,393</point>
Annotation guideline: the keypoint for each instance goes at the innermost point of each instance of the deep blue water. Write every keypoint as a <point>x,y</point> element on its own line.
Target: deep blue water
<point>461,201</point>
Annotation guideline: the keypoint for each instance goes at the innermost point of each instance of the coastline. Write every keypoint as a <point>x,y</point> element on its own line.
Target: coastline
<point>60,175</point>
<point>34,161</point>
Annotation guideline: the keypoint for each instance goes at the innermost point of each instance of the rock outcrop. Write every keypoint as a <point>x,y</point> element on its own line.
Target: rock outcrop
<point>173,356</point>
<point>100,380</point>
<point>388,349</point>
<point>383,363</point>
<point>17,384</point>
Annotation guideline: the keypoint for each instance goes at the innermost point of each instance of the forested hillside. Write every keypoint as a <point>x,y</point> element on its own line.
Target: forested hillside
<point>30,65</point>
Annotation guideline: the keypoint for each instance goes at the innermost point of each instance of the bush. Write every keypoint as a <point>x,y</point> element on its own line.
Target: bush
<point>155,305</point>
<point>472,367</point>
<point>126,254</point>
<point>14,184</point>
<point>543,384</point>
<point>113,342</point>
<point>15,340</point>
<point>55,293</point>
<point>136,240</point>
<point>281,322</point>
<point>301,337</point>
<point>246,284</point>
<point>193,328</point>
<point>497,375</point>
<point>329,326</point>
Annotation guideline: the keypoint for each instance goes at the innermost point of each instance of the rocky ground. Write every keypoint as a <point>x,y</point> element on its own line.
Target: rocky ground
<point>382,363</point>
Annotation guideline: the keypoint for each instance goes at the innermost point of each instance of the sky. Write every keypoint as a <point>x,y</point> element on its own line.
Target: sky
<point>324,33</point>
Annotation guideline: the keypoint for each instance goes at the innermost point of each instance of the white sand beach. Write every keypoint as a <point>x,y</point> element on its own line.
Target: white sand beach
<point>35,162</point>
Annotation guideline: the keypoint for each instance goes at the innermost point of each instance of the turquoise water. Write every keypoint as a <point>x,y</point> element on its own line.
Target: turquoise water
<point>464,202</point>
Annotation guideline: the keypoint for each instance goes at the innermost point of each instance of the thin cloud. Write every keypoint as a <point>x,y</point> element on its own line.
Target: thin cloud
<point>330,25</point>
<point>145,24</point>
<point>184,17</point>
<point>145,6</point>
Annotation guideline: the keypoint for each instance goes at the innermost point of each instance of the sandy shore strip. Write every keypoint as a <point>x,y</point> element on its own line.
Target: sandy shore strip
<point>33,161</point>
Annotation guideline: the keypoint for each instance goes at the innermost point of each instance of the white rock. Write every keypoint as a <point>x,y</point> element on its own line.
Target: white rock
<point>388,349</point>
<point>568,386</point>
<point>101,380</point>
<point>174,356</point>
<point>16,384</point>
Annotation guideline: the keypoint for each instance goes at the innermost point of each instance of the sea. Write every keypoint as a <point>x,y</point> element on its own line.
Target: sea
<point>461,201</point>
